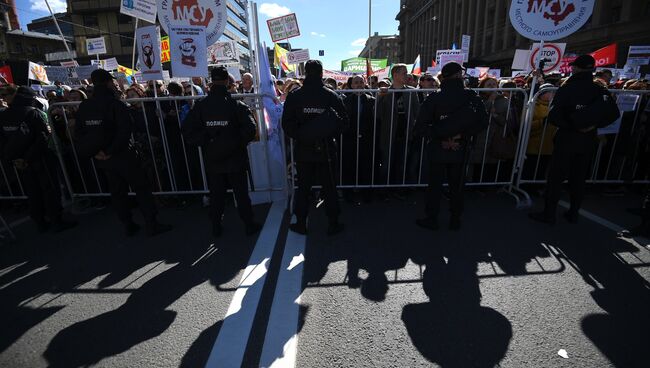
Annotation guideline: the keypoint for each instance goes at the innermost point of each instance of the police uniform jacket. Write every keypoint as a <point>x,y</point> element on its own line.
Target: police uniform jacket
<point>223,127</point>
<point>447,113</point>
<point>578,105</point>
<point>314,116</point>
<point>103,123</point>
<point>23,133</point>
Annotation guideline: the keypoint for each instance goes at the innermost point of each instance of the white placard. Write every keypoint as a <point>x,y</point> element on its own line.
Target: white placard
<point>210,14</point>
<point>148,42</point>
<point>638,55</point>
<point>143,9</point>
<point>520,60</point>
<point>283,27</point>
<point>110,64</point>
<point>95,46</point>
<point>65,75</point>
<point>552,52</point>
<point>69,63</point>
<point>626,103</point>
<point>37,72</point>
<point>448,58</point>
<point>299,56</point>
<point>223,52</point>
<point>473,72</point>
<point>465,46</point>
<point>541,20</point>
<point>446,52</point>
<point>188,50</point>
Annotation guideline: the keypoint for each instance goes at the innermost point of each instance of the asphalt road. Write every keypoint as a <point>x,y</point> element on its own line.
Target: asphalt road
<point>502,292</point>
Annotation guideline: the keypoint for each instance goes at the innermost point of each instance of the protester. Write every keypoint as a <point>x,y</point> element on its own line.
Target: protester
<point>314,116</point>
<point>246,84</point>
<point>540,141</point>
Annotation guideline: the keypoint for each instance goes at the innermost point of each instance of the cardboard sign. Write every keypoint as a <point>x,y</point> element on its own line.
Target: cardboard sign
<point>143,9</point>
<point>359,65</point>
<point>283,27</point>
<point>223,52</point>
<point>95,46</point>
<point>84,71</point>
<point>5,72</point>
<point>540,20</point>
<point>65,75</point>
<point>188,51</point>
<point>148,42</point>
<point>210,14</point>
<point>297,57</point>
<point>110,64</point>
<point>551,53</point>
<point>164,50</point>
<point>69,64</point>
<point>448,58</point>
<point>465,46</point>
<point>638,55</point>
<point>37,72</point>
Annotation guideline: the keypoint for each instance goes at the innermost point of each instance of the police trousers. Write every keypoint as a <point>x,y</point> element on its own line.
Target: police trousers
<point>41,185</point>
<point>571,165</point>
<point>310,174</point>
<point>124,171</point>
<point>454,173</point>
<point>218,183</point>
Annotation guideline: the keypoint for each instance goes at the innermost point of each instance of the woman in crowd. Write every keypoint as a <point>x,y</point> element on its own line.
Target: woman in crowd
<point>540,141</point>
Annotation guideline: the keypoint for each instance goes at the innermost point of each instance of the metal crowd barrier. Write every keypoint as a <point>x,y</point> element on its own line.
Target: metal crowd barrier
<point>400,161</point>
<point>174,167</point>
<point>619,157</point>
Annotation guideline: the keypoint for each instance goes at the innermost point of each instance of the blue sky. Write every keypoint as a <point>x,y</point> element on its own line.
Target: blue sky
<point>340,27</point>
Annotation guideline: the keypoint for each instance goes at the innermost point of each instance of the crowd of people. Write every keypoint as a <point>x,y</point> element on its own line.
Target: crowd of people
<point>379,145</point>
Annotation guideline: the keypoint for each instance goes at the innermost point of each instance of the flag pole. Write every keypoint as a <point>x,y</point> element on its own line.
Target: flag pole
<point>135,29</point>
<point>56,23</point>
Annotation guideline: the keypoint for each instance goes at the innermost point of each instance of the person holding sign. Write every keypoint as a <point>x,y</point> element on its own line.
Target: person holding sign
<point>579,108</point>
<point>223,127</point>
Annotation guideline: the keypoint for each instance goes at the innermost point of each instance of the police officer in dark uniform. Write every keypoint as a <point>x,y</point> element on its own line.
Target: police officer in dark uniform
<point>578,109</point>
<point>314,116</point>
<point>224,127</point>
<point>24,142</point>
<point>448,119</point>
<point>103,132</point>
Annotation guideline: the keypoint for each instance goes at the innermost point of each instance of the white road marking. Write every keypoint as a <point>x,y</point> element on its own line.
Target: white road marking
<point>281,340</point>
<point>230,345</point>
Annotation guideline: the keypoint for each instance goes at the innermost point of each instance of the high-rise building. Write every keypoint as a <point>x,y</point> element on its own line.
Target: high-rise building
<point>430,25</point>
<point>382,47</point>
<point>46,25</point>
<point>8,15</point>
<point>94,18</point>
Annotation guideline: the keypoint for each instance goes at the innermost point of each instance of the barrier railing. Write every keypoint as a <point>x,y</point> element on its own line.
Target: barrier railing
<point>174,167</point>
<point>379,151</point>
<point>621,154</point>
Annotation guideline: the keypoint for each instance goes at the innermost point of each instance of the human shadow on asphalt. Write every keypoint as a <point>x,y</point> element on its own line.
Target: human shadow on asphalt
<point>453,329</point>
<point>60,263</point>
<point>622,333</point>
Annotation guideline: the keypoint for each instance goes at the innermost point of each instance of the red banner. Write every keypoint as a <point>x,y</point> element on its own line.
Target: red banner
<point>5,72</point>
<point>604,56</point>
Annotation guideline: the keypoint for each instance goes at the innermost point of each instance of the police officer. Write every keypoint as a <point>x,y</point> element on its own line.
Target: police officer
<point>223,127</point>
<point>103,132</point>
<point>24,142</point>
<point>314,116</point>
<point>448,119</point>
<point>578,109</point>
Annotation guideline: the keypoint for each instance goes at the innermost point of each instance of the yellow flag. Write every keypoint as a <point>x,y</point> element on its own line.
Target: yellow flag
<point>281,59</point>
<point>125,70</point>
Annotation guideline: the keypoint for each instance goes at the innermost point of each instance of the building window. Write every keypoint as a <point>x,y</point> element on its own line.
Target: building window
<point>126,40</point>
<point>18,47</point>
<point>91,21</point>
<point>124,19</point>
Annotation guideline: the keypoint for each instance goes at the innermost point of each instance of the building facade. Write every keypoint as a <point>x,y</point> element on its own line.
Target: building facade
<point>95,18</point>
<point>382,47</point>
<point>429,25</point>
<point>46,25</point>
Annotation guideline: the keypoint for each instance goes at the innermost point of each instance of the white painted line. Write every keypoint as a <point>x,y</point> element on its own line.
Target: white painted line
<point>281,340</point>
<point>230,346</point>
<point>601,221</point>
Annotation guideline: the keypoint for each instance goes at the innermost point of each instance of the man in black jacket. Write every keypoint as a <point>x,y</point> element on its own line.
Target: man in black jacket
<point>103,132</point>
<point>314,116</point>
<point>24,142</point>
<point>448,119</point>
<point>578,109</point>
<point>223,127</point>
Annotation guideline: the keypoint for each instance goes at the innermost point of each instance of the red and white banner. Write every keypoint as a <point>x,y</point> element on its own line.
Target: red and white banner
<point>604,56</point>
<point>5,72</point>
